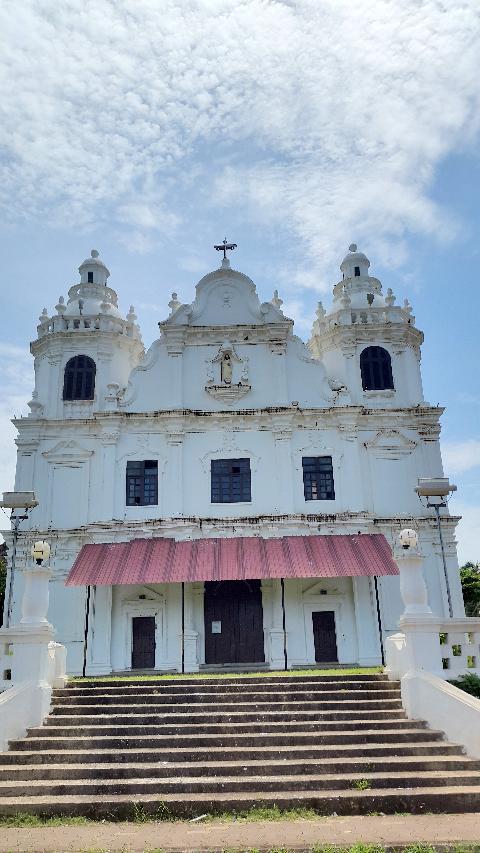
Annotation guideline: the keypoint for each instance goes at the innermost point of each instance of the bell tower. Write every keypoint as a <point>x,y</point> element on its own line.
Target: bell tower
<point>368,343</point>
<point>84,353</point>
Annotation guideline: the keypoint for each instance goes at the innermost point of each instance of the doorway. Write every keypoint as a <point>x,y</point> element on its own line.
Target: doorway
<point>143,642</point>
<point>233,622</point>
<point>325,637</point>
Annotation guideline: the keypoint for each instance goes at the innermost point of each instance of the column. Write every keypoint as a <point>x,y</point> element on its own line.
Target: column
<point>366,620</point>
<point>109,438</point>
<point>190,634</point>
<point>282,434</point>
<point>272,590</point>
<point>99,631</point>
<point>173,492</point>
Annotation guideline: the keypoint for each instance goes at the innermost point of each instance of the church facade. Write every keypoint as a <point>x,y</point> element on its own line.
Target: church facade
<point>230,497</point>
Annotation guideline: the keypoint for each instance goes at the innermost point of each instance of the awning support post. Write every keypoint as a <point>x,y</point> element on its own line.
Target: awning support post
<point>85,636</point>
<point>379,619</point>
<point>183,627</point>
<point>285,655</point>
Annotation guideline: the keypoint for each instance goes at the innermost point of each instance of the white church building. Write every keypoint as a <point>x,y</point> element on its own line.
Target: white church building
<point>229,498</point>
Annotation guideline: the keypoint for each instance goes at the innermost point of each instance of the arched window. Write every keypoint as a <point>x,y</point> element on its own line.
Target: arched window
<point>376,369</point>
<point>79,378</point>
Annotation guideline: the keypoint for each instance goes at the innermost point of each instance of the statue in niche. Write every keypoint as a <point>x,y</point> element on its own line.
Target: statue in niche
<point>226,369</point>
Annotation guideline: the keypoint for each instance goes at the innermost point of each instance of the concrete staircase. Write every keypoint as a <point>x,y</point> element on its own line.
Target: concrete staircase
<point>183,747</point>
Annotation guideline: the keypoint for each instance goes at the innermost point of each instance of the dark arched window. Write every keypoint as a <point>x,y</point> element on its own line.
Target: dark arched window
<point>376,369</point>
<point>79,379</point>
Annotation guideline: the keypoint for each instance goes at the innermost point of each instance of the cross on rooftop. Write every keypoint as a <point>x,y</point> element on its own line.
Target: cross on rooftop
<point>225,247</point>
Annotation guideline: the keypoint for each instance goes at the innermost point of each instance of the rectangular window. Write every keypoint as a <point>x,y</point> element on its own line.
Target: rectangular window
<point>357,271</point>
<point>142,483</point>
<point>231,481</point>
<point>318,478</point>
<point>90,277</point>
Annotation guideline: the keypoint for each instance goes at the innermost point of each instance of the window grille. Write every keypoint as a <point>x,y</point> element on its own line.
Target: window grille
<point>318,478</point>
<point>376,369</point>
<point>230,481</point>
<point>79,378</point>
<point>142,483</point>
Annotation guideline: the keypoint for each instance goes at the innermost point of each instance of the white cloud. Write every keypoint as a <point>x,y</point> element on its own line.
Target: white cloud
<point>468,532</point>
<point>324,119</point>
<point>16,383</point>
<point>461,456</point>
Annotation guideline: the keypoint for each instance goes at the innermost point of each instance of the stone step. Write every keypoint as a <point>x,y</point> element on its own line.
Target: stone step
<point>219,784</point>
<point>142,718</point>
<point>290,727</point>
<point>212,754</point>
<point>407,764</point>
<point>462,798</point>
<point>369,678</point>
<point>265,685</point>
<point>274,700</point>
<point>250,694</point>
<point>252,740</point>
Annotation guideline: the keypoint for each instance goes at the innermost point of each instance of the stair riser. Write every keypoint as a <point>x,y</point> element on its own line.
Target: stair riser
<point>200,770</point>
<point>410,802</point>
<point>253,741</point>
<point>298,727</point>
<point>289,695</point>
<point>370,680</point>
<point>269,704</point>
<point>209,757</point>
<point>265,685</point>
<point>352,718</point>
<point>203,786</point>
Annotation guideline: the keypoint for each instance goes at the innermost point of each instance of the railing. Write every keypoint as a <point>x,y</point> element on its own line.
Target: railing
<point>459,641</point>
<point>6,657</point>
<point>98,322</point>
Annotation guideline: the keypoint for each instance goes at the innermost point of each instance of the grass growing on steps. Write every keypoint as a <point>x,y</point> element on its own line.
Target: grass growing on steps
<point>359,670</point>
<point>31,820</point>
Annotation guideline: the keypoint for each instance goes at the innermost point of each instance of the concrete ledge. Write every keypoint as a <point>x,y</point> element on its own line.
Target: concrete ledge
<point>444,707</point>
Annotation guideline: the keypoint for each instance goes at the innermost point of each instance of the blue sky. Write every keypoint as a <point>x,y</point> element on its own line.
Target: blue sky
<point>150,130</point>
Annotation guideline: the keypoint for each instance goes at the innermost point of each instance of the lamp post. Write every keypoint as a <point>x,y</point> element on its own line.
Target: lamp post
<point>16,501</point>
<point>436,491</point>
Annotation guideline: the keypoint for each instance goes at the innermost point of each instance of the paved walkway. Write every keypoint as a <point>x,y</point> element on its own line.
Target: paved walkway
<point>292,835</point>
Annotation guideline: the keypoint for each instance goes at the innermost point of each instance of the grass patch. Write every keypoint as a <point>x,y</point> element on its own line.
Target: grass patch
<point>24,819</point>
<point>169,676</point>
<point>260,813</point>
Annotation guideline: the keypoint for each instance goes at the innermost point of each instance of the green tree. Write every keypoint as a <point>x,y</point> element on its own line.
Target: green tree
<point>470,577</point>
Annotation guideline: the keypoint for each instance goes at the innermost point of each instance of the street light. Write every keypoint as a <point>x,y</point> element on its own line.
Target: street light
<point>436,491</point>
<point>16,501</point>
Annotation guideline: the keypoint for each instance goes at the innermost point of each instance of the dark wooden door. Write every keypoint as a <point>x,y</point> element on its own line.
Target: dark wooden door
<point>324,636</point>
<point>234,622</point>
<point>143,642</point>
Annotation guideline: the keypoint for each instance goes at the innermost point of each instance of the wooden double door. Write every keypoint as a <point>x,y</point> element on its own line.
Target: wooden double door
<point>233,622</point>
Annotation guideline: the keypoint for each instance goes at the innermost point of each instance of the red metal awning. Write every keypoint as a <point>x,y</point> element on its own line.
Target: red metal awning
<point>240,558</point>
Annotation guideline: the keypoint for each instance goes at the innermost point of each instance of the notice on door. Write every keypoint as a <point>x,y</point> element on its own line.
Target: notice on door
<point>216,627</point>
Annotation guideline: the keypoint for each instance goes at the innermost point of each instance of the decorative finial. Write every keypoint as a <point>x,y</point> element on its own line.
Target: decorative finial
<point>407,307</point>
<point>276,301</point>
<point>60,307</point>
<point>225,247</point>
<point>320,312</point>
<point>44,316</point>
<point>94,253</point>
<point>174,304</point>
<point>131,316</point>
<point>352,247</point>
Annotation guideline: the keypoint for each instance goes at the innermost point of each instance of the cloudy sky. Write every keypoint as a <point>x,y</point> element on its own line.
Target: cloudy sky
<point>151,129</point>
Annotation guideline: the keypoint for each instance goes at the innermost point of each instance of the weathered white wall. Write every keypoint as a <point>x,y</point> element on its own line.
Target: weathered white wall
<point>284,402</point>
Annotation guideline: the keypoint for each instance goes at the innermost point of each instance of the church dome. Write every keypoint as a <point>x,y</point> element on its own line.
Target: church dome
<point>355,264</point>
<point>92,296</point>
